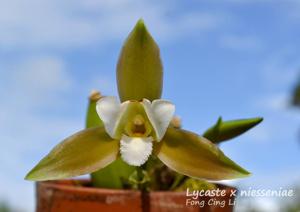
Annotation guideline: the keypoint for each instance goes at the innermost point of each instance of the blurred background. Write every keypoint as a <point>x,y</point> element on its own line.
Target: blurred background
<point>235,58</point>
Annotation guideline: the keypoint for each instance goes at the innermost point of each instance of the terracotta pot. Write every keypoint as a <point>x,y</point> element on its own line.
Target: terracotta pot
<point>78,195</point>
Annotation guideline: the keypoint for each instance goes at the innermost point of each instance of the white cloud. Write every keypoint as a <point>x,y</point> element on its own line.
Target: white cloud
<point>239,42</point>
<point>35,77</point>
<point>248,1</point>
<point>284,179</point>
<point>292,7</point>
<point>104,84</point>
<point>287,178</point>
<point>257,204</point>
<point>59,24</point>
<point>281,178</point>
<point>281,68</point>
<point>279,73</point>
<point>277,102</point>
<point>260,134</point>
<point>27,87</point>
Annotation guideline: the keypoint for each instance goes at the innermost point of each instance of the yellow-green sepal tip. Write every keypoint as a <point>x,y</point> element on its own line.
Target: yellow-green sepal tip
<point>82,153</point>
<point>197,157</point>
<point>139,69</point>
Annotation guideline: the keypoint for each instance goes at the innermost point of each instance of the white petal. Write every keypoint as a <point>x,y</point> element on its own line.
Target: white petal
<point>110,111</point>
<point>135,150</point>
<point>160,113</point>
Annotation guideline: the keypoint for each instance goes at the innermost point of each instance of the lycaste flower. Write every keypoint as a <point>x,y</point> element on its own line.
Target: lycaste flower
<point>138,127</point>
<point>134,130</point>
<point>136,124</point>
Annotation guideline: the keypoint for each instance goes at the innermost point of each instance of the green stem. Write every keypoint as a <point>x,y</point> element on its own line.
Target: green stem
<point>140,177</point>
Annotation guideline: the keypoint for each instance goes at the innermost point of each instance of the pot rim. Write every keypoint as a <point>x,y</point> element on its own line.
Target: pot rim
<point>84,185</point>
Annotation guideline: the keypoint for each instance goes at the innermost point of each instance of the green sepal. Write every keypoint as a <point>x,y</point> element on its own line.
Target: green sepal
<point>139,69</point>
<point>195,156</point>
<point>225,130</point>
<point>81,153</point>
<point>115,174</point>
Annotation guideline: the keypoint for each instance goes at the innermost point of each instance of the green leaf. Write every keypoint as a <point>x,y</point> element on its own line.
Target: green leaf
<point>195,184</point>
<point>296,95</point>
<point>113,175</point>
<point>139,70</point>
<point>178,180</point>
<point>223,131</point>
<point>195,156</point>
<point>81,153</point>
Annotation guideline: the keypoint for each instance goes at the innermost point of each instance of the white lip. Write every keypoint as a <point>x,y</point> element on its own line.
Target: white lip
<point>135,150</point>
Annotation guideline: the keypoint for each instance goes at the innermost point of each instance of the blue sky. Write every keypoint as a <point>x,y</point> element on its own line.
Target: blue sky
<point>235,58</point>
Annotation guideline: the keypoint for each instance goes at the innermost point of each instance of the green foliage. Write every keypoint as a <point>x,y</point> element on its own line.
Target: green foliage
<point>139,179</point>
<point>296,96</point>
<point>4,207</point>
<point>194,184</point>
<point>293,205</point>
<point>225,130</point>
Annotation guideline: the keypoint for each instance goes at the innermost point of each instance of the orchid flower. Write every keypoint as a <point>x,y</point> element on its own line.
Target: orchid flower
<point>136,127</point>
<point>136,124</point>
